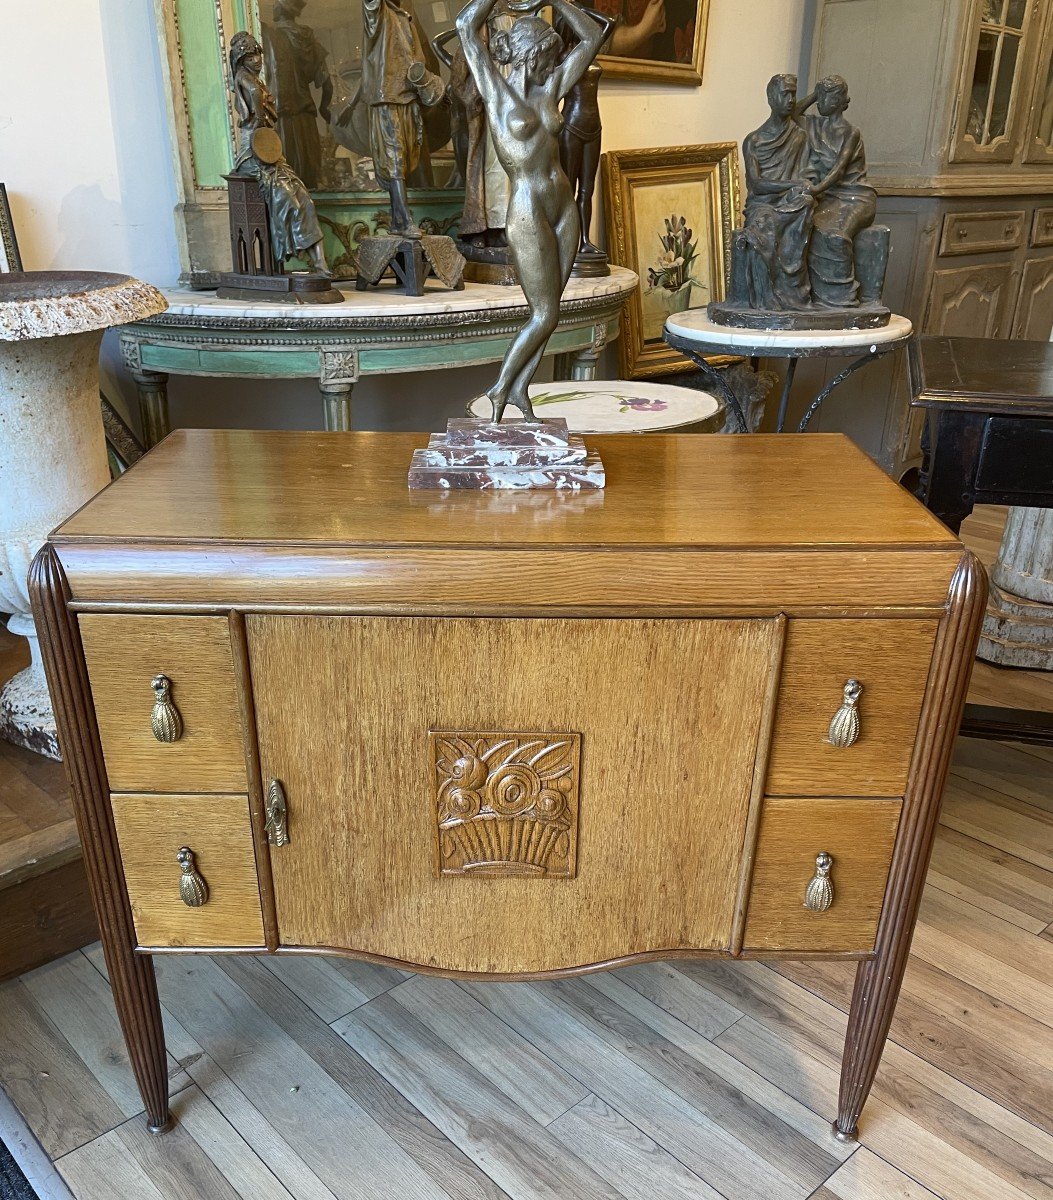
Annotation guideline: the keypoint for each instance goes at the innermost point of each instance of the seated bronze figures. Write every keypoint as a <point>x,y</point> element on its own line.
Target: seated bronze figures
<point>808,255</point>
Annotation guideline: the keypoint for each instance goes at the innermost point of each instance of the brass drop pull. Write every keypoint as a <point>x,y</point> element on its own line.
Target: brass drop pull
<point>277,815</point>
<point>165,720</point>
<point>819,894</point>
<point>844,728</point>
<point>192,887</point>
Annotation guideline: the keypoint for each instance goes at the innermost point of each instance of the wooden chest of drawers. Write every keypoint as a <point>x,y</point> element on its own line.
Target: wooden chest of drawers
<point>707,711</point>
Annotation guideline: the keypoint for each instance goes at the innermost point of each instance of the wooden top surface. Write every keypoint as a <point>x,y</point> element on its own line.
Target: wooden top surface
<point>987,374</point>
<point>242,486</point>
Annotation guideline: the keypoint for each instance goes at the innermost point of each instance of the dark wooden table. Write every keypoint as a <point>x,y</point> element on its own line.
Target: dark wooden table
<point>989,435</point>
<point>988,440</point>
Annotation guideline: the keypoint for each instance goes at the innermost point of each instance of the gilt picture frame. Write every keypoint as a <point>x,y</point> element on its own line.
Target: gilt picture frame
<point>669,212</point>
<point>665,40</point>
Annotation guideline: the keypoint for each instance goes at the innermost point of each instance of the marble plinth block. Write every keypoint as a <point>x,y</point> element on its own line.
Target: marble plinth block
<point>506,455</point>
<point>52,446</point>
<point>1018,625</point>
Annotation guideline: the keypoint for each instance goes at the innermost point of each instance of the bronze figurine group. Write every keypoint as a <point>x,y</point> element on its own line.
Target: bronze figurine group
<point>263,240</point>
<point>808,255</point>
<point>518,70</point>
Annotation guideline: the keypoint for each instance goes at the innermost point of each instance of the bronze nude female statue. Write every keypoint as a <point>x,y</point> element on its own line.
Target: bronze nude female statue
<point>579,147</point>
<point>294,227</point>
<point>522,109</point>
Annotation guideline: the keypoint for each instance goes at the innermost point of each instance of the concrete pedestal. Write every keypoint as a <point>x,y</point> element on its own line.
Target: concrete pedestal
<point>52,446</point>
<point>1018,627</point>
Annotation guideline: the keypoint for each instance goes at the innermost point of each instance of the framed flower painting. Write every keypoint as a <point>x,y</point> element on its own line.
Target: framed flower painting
<point>669,215</point>
<point>657,40</point>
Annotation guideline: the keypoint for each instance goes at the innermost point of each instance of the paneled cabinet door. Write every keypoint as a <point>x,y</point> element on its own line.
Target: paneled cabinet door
<point>992,95</point>
<point>1038,140</point>
<point>971,301</point>
<point>498,796</point>
<point>1034,308</point>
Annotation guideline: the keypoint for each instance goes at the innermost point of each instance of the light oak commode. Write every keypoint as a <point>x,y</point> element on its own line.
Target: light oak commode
<point>706,711</point>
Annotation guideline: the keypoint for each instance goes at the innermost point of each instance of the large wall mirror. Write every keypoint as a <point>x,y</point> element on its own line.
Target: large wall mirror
<point>313,64</point>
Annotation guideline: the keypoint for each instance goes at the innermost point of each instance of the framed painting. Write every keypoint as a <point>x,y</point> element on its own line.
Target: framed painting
<point>669,215</point>
<point>10,259</point>
<point>657,40</point>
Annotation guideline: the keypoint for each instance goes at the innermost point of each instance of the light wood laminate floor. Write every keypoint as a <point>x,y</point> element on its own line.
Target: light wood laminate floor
<point>319,1078</point>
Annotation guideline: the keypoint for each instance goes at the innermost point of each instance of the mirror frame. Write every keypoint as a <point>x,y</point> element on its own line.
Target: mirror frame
<point>194,37</point>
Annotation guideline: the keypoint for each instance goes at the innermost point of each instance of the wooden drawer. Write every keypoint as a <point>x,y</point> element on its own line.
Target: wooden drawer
<point>1042,227</point>
<point>890,658</point>
<point>151,831</point>
<point>976,232</point>
<point>124,653</point>
<point>858,834</point>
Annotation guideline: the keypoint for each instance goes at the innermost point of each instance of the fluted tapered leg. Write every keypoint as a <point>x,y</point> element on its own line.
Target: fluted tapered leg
<point>131,975</point>
<point>878,981</point>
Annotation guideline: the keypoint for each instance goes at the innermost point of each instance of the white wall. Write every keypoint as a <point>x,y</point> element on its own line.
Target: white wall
<point>85,154</point>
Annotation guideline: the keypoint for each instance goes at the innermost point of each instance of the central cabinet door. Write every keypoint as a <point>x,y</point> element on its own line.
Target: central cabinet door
<point>510,795</point>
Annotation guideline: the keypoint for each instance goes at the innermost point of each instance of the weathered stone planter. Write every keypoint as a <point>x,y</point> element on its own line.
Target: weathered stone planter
<point>52,446</point>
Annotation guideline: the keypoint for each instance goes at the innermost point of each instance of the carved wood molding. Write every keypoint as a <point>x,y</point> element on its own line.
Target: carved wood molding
<point>505,803</point>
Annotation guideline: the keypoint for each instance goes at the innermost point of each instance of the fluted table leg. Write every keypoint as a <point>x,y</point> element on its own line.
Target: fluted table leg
<point>131,975</point>
<point>878,981</point>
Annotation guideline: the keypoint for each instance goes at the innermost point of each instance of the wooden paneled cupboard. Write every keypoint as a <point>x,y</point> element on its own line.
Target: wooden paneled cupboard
<point>705,711</point>
<point>955,102</point>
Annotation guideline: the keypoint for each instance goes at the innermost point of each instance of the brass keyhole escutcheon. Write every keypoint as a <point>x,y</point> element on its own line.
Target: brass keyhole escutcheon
<point>277,815</point>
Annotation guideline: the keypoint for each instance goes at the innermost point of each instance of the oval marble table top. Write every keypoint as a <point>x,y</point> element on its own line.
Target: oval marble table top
<point>385,303</point>
<point>618,406</point>
<point>695,326</point>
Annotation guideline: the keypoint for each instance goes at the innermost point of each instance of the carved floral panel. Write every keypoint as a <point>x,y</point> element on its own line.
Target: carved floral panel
<point>506,803</point>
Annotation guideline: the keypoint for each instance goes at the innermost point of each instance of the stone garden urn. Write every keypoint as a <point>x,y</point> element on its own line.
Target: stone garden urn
<point>52,446</point>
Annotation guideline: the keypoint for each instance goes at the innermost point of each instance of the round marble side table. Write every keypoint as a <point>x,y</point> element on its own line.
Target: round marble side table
<point>620,406</point>
<point>694,334</point>
<point>52,446</point>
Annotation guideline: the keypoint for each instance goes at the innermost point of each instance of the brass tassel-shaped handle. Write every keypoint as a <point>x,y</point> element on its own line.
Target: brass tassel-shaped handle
<point>192,886</point>
<point>165,720</point>
<point>844,728</point>
<point>277,815</point>
<point>819,894</point>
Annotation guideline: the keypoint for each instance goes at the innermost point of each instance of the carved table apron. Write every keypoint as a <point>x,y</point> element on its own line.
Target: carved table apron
<point>382,333</point>
<point>706,711</point>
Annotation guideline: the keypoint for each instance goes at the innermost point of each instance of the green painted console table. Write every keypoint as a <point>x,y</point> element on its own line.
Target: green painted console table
<point>379,332</point>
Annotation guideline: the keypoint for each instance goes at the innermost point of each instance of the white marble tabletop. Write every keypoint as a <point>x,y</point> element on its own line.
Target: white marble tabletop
<point>384,302</point>
<point>616,405</point>
<point>695,326</point>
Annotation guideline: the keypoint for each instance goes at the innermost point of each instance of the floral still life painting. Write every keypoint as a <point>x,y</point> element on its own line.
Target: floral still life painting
<point>671,270</point>
<point>669,218</point>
